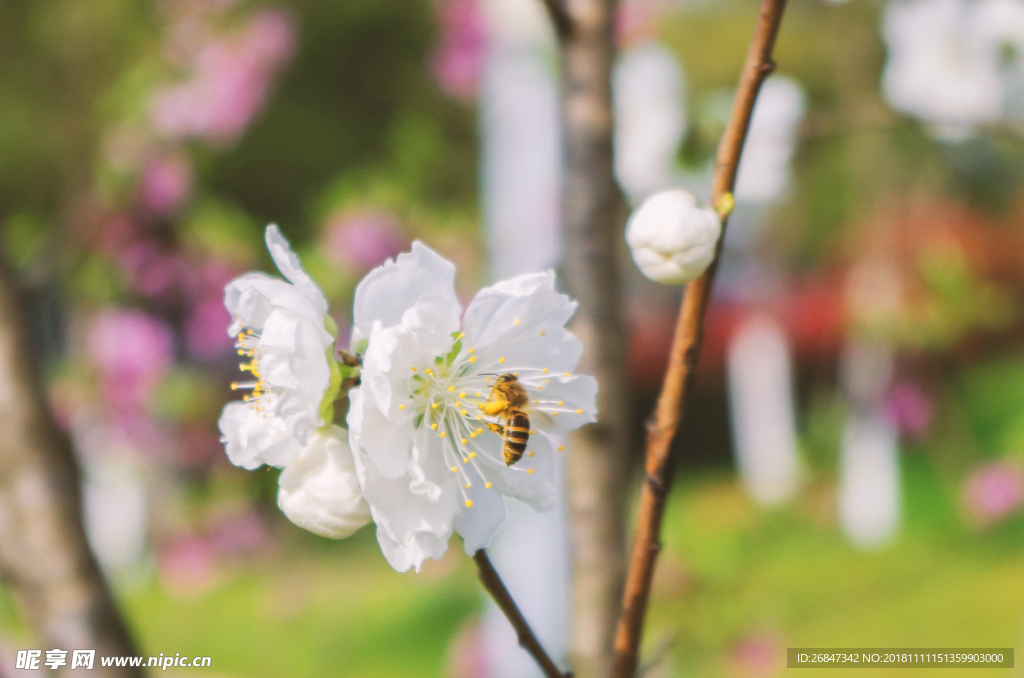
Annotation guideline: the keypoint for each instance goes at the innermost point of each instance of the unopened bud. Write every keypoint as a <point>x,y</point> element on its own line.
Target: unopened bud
<point>320,491</point>
<point>672,238</point>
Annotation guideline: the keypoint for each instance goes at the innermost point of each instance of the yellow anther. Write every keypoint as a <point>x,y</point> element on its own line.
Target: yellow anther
<point>532,432</point>
<point>515,374</point>
<point>455,469</point>
<point>413,369</point>
<point>545,370</point>
<point>401,406</point>
<point>536,402</point>
<point>468,486</point>
<point>472,350</point>
<point>542,333</point>
<point>561,448</point>
<point>472,358</point>
<point>464,413</point>
<point>451,389</point>
<point>479,395</point>
<point>461,335</point>
<point>501,360</point>
<point>465,460</point>
<point>554,414</point>
<point>560,403</point>
<point>565,374</point>
<point>540,388</point>
<point>472,455</point>
<point>234,386</point>
<point>430,371</point>
<point>469,504</point>
<point>487,485</point>
<point>472,434</point>
<point>579,411</point>
<point>530,453</point>
<point>530,471</point>
<point>479,417</point>
<point>479,407</point>
<point>442,434</point>
<point>433,426</point>
<point>462,395</point>
<point>516,322</point>
<point>464,441</point>
<point>458,404</point>
<point>434,406</point>
<point>479,431</point>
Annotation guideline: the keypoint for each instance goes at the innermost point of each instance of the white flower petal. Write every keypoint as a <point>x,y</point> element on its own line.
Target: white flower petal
<point>536,489</point>
<point>479,523</point>
<point>252,439</point>
<point>320,491</point>
<point>388,445</point>
<point>293,356</point>
<point>288,263</point>
<point>576,393</point>
<point>389,291</point>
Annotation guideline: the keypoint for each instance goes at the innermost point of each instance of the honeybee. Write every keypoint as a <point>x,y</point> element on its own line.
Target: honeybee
<point>508,401</point>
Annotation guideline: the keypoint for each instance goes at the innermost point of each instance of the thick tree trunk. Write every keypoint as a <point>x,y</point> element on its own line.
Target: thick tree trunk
<point>593,235</point>
<point>44,557</point>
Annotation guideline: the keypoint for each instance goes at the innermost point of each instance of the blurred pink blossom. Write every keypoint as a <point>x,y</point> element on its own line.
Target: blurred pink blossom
<point>240,534</point>
<point>362,240</point>
<point>909,409</point>
<point>150,269</point>
<point>758,655</point>
<point>458,60</point>
<point>229,82</point>
<point>206,328</point>
<point>197,446</point>
<point>132,351</point>
<point>188,566</point>
<point>993,491</point>
<point>166,183</point>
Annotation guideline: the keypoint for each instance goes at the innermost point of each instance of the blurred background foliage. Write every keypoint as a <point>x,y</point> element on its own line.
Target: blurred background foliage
<point>145,144</point>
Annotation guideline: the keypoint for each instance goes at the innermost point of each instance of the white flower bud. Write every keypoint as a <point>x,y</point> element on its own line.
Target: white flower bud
<point>673,239</point>
<point>319,490</point>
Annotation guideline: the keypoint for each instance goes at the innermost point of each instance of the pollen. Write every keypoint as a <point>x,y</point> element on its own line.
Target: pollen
<point>451,389</point>
<point>560,403</point>
<point>579,411</point>
<point>472,358</point>
<point>472,434</point>
<point>472,455</point>
<point>433,426</point>
<point>533,433</point>
<point>516,322</point>
<point>479,417</point>
<point>465,413</point>
<point>434,406</point>
<point>462,395</point>
<point>461,335</point>
<point>553,414</point>
<point>472,350</point>
<point>530,471</point>
<point>401,406</point>
<point>561,448</point>
<point>469,503</point>
<point>515,374</point>
<point>430,371</point>
<point>501,360</point>
<point>464,441</point>
<point>442,434</point>
<point>479,431</point>
<point>536,402</point>
<point>487,485</point>
<point>530,453</point>
<point>413,369</point>
<point>545,370</point>
<point>542,333</point>
<point>468,486</point>
<point>565,374</point>
<point>455,469</point>
<point>465,460</point>
<point>479,395</point>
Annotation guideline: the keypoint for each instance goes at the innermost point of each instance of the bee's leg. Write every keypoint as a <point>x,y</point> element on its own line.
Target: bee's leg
<point>492,409</point>
<point>497,428</point>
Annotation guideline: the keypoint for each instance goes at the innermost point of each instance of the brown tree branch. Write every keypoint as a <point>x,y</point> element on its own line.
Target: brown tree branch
<point>527,640</point>
<point>592,223</point>
<point>560,17</point>
<point>44,556</point>
<point>685,351</point>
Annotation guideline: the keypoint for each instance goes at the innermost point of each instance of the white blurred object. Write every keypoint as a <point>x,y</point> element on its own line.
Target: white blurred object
<point>869,492</point>
<point>114,508</point>
<point>761,399</point>
<point>650,119</point>
<point>521,133</point>
<point>672,238</point>
<point>944,61</point>
<point>869,484</point>
<point>764,165</point>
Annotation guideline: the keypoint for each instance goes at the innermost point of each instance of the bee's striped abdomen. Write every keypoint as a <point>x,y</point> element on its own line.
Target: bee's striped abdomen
<point>517,433</point>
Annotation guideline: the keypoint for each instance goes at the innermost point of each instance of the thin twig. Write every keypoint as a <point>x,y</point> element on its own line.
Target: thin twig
<point>684,353</point>
<point>560,17</point>
<point>492,582</point>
